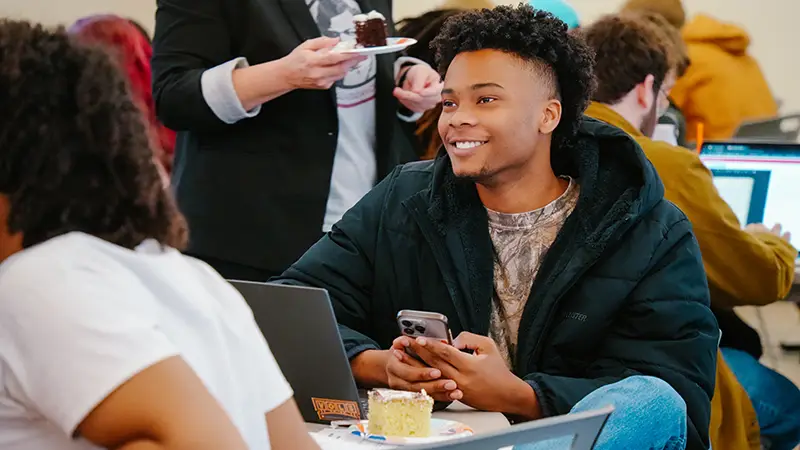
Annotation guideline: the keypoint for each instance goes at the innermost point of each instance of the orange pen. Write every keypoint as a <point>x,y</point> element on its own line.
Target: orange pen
<point>700,130</point>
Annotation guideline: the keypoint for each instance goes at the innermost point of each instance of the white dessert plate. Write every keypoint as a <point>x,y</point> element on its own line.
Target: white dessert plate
<point>393,45</point>
<point>441,430</point>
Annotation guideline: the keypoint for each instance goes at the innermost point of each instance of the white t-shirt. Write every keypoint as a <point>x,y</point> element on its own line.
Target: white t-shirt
<point>354,165</point>
<point>80,316</point>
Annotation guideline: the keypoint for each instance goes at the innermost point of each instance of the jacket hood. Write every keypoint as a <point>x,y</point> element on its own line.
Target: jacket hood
<point>618,183</point>
<point>705,29</point>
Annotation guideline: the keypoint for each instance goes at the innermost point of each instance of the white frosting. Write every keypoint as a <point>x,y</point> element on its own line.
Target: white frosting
<point>344,46</point>
<point>388,395</point>
<point>361,18</point>
<point>375,15</point>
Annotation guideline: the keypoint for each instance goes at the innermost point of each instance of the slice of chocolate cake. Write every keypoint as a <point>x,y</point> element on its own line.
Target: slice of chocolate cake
<point>370,29</point>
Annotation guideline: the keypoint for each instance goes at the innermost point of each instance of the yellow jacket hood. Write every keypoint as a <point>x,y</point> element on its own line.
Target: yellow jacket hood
<point>706,29</point>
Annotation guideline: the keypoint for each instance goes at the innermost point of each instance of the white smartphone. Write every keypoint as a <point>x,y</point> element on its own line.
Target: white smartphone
<point>416,324</point>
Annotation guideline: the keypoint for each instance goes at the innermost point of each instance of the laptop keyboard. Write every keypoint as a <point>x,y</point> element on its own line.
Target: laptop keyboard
<point>364,404</point>
<point>363,401</point>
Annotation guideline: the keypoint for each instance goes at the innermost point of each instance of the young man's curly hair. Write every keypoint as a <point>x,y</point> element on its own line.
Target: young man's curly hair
<point>628,48</point>
<point>536,37</point>
<point>74,152</point>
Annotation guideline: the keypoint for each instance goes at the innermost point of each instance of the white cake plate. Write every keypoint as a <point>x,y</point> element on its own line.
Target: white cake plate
<point>393,45</point>
<point>441,430</point>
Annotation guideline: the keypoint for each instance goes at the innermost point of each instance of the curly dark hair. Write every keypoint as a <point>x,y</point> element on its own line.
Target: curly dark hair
<point>74,151</point>
<point>629,47</point>
<point>535,36</point>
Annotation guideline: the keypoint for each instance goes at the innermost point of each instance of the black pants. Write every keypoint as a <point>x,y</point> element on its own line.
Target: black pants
<point>737,334</point>
<point>234,271</point>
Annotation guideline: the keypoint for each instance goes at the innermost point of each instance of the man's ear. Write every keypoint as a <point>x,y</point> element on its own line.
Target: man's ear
<point>644,92</point>
<point>551,117</point>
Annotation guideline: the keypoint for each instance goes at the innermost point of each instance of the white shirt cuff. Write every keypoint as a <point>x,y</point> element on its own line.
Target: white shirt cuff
<point>412,118</point>
<point>220,94</point>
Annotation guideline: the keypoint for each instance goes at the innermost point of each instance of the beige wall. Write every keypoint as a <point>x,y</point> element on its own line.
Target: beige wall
<point>66,11</point>
<point>773,24</point>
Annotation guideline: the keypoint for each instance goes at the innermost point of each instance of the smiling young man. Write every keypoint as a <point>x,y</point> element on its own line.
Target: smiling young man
<point>544,239</point>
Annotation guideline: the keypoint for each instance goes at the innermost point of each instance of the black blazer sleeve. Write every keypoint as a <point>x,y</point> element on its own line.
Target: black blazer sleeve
<point>191,36</point>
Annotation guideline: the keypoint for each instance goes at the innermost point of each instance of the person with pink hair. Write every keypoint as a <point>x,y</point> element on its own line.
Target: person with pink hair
<point>130,45</point>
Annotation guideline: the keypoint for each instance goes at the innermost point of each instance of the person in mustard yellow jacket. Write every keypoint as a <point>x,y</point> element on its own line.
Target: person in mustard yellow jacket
<point>671,10</point>
<point>724,85</point>
<point>635,69</point>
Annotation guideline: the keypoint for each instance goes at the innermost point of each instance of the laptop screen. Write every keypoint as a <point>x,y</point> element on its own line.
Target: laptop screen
<point>761,182</point>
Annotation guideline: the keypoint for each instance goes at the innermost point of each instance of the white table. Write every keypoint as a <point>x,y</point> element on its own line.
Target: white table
<point>479,421</point>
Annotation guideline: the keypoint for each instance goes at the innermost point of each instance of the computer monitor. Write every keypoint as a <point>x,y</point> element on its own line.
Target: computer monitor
<point>760,181</point>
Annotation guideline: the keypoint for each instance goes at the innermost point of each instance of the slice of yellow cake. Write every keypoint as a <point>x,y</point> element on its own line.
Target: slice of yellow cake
<point>399,413</point>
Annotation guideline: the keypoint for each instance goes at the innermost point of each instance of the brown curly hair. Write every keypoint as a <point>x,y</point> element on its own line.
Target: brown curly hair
<point>74,152</point>
<point>627,49</point>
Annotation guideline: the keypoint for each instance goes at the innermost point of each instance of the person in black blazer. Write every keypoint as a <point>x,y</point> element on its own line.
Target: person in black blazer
<point>278,133</point>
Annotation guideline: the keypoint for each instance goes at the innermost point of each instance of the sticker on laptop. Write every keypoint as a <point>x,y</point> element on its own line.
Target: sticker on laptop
<point>328,409</point>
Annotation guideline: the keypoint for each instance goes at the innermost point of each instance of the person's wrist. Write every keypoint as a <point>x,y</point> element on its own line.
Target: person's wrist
<point>523,402</point>
<point>280,71</point>
<point>369,368</point>
<point>255,85</point>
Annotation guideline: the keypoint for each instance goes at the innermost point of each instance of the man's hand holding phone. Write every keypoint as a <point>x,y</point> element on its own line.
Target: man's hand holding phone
<point>406,373</point>
<point>469,368</point>
<point>483,380</point>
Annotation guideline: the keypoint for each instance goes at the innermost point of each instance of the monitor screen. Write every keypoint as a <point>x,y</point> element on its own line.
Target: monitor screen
<point>761,182</point>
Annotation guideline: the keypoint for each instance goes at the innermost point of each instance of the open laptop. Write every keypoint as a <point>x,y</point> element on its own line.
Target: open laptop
<point>301,330</point>
<point>759,180</point>
<point>776,129</point>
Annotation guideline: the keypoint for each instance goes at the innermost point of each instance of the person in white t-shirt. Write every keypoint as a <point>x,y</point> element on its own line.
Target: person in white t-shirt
<point>109,336</point>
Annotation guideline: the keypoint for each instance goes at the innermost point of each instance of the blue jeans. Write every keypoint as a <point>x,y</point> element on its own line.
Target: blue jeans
<point>648,414</point>
<point>775,399</point>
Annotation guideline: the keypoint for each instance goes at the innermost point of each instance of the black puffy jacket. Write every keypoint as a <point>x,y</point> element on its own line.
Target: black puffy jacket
<point>621,292</point>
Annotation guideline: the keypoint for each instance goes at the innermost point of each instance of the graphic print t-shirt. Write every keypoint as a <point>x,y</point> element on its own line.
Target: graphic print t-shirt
<point>354,166</point>
<point>521,242</point>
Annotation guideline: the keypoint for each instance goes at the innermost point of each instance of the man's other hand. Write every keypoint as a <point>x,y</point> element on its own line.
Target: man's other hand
<point>777,230</point>
<point>405,373</point>
<point>483,379</point>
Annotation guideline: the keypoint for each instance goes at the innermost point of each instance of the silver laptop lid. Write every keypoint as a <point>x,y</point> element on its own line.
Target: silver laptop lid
<point>584,427</point>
